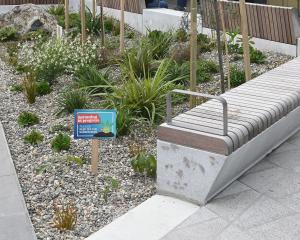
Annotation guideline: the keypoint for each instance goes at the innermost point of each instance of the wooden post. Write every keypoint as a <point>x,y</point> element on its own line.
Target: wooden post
<point>83,24</point>
<point>220,52</point>
<point>67,15</point>
<point>244,26</point>
<point>193,51</point>
<point>122,26</point>
<point>226,46</point>
<point>94,8</point>
<point>95,155</point>
<point>102,24</point>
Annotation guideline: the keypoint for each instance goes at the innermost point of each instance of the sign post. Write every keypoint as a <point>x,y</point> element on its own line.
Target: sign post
<point>95,125</point>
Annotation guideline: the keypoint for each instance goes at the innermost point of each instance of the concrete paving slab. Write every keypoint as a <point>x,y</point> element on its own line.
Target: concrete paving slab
<point>151,220</point>
<point>288,160</point>
<point>261,166</point>
<point>207,230</point>
<point>291,201</point>
<point>275,182</point>
<point>15,222</point>
<point>263,211</point>
<point>233,232</point>
<point>287,228</point>
<point>234,188</point>
<point>230,207</point>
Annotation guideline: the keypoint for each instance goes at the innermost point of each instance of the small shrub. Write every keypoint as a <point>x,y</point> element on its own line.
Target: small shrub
<point>205,69</point>
<point>180,72</point>
<point>123,122</point>
<point>61,142</point>
<point>77,160</point>
<point>116,29</point>
<point>8,34</point>
<point>16,88</point>
<point>60,128</point>
<point>43,88</point>
<point>181,35</point>
<point>257,56</point>
<point>108,24</point>
<point>130,34</point>
<point>29,87</point>
<point>237,76</point>
<point>160,43</point>
<point>204,43</point>
<point>27,119</point>
<point>91,79</point>
<point>65,217</point>
<point>112,43</point>
<point>110,185</point>
<point>180,52</point>
<point>71,100</point>
<point>40,34</point>
<point>34,138</point>
<point>136,148</point>
<point>145,164</point>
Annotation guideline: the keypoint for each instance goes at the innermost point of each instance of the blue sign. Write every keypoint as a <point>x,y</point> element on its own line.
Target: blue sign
<point>90,123</point>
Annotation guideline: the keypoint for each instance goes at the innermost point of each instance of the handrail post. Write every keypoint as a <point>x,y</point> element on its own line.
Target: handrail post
<point>218,98</point>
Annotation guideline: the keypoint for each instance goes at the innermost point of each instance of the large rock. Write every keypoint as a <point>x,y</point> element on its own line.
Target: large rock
<point>27,18</point>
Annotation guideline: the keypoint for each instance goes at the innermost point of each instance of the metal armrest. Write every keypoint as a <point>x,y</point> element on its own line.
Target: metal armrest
<point>220,99</point>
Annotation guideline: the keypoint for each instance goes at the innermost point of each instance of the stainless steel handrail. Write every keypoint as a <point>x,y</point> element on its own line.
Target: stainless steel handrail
<point>220,99</point>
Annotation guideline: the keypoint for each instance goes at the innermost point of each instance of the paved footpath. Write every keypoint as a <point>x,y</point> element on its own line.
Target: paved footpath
<point>264,204</point>
<point>15,223</point>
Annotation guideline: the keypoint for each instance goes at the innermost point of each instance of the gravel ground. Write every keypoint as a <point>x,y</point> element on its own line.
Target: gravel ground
<point>73,183</point>
<point>66,182</point>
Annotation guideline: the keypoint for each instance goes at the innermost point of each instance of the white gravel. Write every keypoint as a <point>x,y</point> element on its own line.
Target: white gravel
<point>69,182</point>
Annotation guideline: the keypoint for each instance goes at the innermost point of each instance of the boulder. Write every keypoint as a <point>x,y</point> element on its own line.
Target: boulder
<point>28,17</point>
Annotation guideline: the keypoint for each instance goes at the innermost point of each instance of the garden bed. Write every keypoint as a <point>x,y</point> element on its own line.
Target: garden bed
<point>50,177</point>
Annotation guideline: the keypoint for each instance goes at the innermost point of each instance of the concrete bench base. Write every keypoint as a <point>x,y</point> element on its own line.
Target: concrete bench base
<point>196,175</point>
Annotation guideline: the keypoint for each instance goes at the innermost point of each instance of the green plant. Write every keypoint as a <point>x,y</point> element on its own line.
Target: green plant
<point>16,88</point>
<point>204,43</point>
<point>71,100</point>
<point>8,34</point>
<point>138,60</point>
<point>93,23</point>
<point>237,76</point>
<point>29,86</point>
<point>180,72</point>
<point>130,34</point>
<point>181,35</point>
<point>27,119</point>
<point>145,164</point>
<point>55,57</point>
<point>65,216</point>
<point>91,79</point>
<point>110,185</point>
<point>43,88</point>
<point>143,98</point>
<point>39,34</point>
<point>257,56</point>
<point>74,159</point>
<point>108,24</point>
<point>60,128</point>
<point>33,138</point>
<point>205,69</point>
<point>160,43</point>
<point>61,142</point>
<point>124,121</point>
<point>112,43</point>
<point>116,29</point>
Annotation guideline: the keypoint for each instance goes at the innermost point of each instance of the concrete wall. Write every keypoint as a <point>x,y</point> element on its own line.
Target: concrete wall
<point>167,19</point>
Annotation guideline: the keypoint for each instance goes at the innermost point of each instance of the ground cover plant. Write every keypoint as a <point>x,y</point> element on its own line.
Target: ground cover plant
<point>66,75</point>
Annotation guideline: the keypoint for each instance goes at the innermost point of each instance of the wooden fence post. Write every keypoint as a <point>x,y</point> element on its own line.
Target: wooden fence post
<point>122,26</point>
<point>66,15</point>
<point>193,52</point>
<point>102,24</point>
<point>94,8</point>
<point>244,25</point>
<point>83,24</point>
<point>226,45</point>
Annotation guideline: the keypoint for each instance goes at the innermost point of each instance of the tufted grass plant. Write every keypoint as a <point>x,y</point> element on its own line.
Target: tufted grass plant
<point>65,216</point>
<point>61,142</point>
<point>70,100</point>
<point>33,138</point>
<point>27,119</point>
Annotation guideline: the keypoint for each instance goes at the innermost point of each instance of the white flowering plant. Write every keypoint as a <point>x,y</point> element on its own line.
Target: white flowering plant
<point>55,57</point>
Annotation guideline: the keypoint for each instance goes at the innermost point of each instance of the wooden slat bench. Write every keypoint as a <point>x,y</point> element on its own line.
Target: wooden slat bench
<point>255,118</point>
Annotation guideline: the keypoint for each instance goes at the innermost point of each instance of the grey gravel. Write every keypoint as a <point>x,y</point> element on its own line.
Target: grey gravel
<point>69,183</point>
<point>73,183</point>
